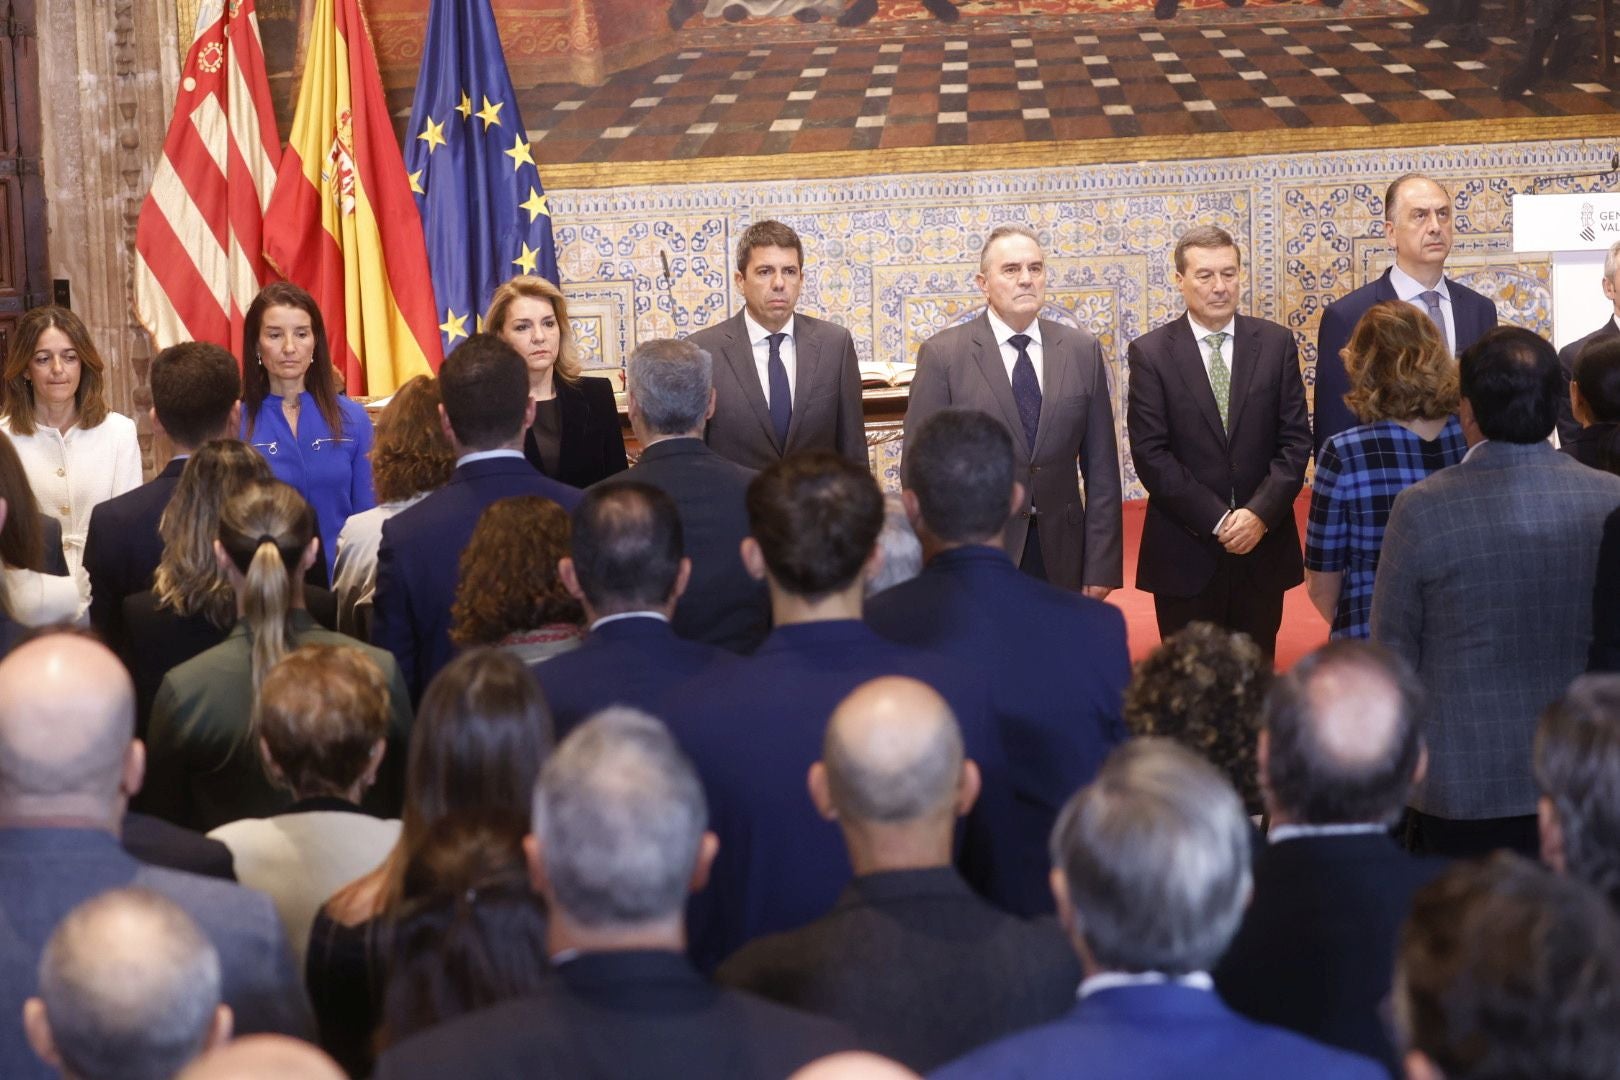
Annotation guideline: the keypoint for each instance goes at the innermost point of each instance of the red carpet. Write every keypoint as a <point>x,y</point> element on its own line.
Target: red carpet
<point>1302,628</point>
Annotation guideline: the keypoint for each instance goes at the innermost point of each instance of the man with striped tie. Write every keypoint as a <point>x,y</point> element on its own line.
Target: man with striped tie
<point>1220,437</point>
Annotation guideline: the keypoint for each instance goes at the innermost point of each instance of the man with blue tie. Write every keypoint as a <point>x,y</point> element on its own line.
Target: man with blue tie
<point>1220,437</point>
<point>1418,221</point>
<point>783,381</point>
<point>1047,382</point>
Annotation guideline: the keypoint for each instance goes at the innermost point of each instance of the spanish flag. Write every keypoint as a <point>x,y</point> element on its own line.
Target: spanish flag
<point>343,223</point>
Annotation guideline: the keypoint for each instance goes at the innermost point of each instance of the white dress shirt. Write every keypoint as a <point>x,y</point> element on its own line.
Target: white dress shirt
<point>1227,351</point>
<point>759,339</point>
<point>1409,288</point>
<point>1009,354</point>
<point>1109,980</point>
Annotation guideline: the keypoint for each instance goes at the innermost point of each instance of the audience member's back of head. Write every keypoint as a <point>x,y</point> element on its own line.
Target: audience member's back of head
<point>129,989</point>
<point>1154,859</point>
<point>892,754</point>
<point>626,547</point>
<point>194,387</point>
<point>1513,382</point>
<point>619,816</point>
<point>671,382</point>
<point>189,580</point>
<point>816,517</point>
<point>959,465</point>
<point>899,545</point>
<point>470,932</point>
<point>264,1057</point>
<point>21,545</point>
<point>67,717</point>
<point>411,454</point>
<point>1577,767</point>
<point>1343,736</point>
<point>1597,376</point>
<point>508,582</point>
<point>854,1065</point>
<point>322,715</point>
<point>265,530</point>
<point>1508,972</point>
<point>1203,686</point>
<point>484,385</point>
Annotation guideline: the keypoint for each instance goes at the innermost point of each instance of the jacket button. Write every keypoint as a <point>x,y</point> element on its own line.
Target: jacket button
<point>1024,515</point>
<point>61,472</point>
<point>1033,469</point>
<point>64,510</point>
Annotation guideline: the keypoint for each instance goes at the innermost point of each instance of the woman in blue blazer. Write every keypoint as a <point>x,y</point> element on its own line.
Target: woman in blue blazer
<point>575,437</point>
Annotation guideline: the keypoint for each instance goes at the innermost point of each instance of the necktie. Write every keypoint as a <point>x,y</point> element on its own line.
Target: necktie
<point>1026,388</point>
<point>781,397</point>
<point>1220,377</point>
<point>1431,300</point>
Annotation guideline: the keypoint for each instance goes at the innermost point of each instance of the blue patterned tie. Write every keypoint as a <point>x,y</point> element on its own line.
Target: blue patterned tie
<point>781,397</point>
<point>1026,388</point>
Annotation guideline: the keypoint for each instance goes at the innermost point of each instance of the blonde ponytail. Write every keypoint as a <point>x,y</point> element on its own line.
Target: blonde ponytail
<point>265,529</point>
<point>265,603</point>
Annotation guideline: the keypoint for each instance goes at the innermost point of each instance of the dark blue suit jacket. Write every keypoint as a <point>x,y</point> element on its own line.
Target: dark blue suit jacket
<point>46,872</point>
<point>122,548</point>
<point>1472,314</point>
<point>419,561</point>
<point>1059,666</point>
<point>754,726</point>
<point>1152,1032</point>
<point>633,661</point>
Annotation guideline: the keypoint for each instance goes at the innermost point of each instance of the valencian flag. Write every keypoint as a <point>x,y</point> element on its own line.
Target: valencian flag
<point>342,224</point>
<point>199,248</point>
<point>467,152</point>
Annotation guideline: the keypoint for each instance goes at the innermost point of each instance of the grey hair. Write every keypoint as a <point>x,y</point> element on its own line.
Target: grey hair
<point>130,987</point>
<point>1611,261</point>
<point>1001,231</point>
<point>902,789</point>
<point>621,814</point>
<point>902,551</point>
<point>1155,853</point>
<point>671,381</point>
<point>1576,764</point>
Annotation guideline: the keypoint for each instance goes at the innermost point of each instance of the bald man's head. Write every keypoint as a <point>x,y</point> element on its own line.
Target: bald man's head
<point>854,1065</point>
<point>264,1057</point>
<point>67,718</point>
<point>1342,743</point>
<point>892,752</point>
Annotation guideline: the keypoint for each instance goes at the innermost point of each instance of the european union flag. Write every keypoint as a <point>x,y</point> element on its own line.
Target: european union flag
<point>483,208</point>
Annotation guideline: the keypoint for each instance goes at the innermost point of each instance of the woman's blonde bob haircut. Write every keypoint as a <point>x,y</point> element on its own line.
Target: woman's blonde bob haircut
<point>533,287</point>
<point>1399,366</point>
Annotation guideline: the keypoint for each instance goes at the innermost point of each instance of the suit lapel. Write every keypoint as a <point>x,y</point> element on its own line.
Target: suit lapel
<point>1245,355</point>
<point>1189,364</point>
<point>805,342</point>
<point>994,371</point>
<point>1057,365</point>
<point>739,353</point>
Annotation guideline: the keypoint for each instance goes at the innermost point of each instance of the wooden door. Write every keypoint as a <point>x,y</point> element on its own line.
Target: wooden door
<point>24,281</point>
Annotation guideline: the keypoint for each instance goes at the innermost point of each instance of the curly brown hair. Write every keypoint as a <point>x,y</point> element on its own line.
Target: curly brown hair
<point>509,580</point>
<point>411,454</point>
<point>1399,366</point>
<point>1204,687</point>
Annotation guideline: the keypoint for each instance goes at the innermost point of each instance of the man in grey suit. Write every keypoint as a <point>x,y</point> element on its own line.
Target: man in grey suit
<point>783,382</point>
<point>1485,587</point>
<point>1048,384</point>
<point>68,764</point>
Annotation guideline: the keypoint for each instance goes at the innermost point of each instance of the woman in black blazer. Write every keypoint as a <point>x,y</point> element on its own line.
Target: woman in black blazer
<point>575,437</point>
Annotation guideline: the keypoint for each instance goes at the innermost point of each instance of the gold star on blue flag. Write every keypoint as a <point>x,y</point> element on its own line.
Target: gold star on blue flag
<point>484,209</point>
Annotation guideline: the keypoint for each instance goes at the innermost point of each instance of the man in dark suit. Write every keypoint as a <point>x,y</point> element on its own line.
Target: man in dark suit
<point>1568,426</point>
<point>1220,439</point>
<point>486,408</point>
<point>1048,383</point>
<point>671,395</point>
<point>1417,218</point>
<point>1151,877</point>
<point>627,571</point>
<point>754,726</point>
<point>918,966</point>
<point>1339,750</point>
<point>620,836</point>
<point>68,764</point>
<point>1577,765</point>
<point>1060,659</point>
<point>1484,586</point>
<point>195,392</point>
<point>128,986</point>
<point>783,382</point>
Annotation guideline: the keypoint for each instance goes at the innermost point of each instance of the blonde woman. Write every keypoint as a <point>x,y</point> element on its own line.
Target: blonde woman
<point>204,764</point>
<point>575,437</point>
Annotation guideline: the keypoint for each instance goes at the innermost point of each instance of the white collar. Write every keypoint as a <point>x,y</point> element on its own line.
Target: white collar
<point>1003,331</point>
<point>757,333</point>
<point>1279,833</point>
<point>1201,332</point>
<point>484,455</point>
<point>1409,288</point>
<point>1112,980</point>
<point>604,620</point>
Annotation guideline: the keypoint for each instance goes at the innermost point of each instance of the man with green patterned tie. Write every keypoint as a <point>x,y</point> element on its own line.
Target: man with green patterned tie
<point>1220,436</point>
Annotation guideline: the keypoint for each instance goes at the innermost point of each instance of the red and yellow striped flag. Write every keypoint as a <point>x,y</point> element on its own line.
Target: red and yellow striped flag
<point>199,248</point>
<point>343,223</point>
